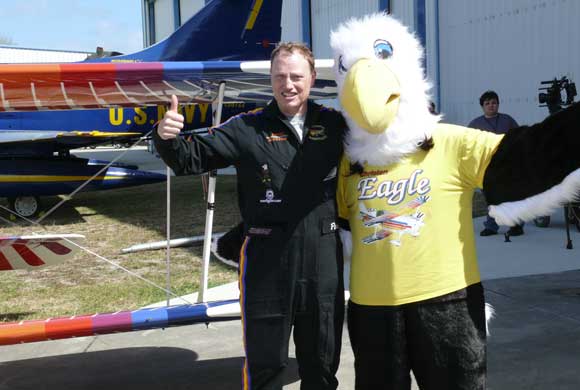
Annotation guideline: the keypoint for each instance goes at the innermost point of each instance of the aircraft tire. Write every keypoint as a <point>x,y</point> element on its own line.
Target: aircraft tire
<point>25,206</point>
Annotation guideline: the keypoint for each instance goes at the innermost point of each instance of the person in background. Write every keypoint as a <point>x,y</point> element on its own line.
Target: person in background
<point>494,121</point>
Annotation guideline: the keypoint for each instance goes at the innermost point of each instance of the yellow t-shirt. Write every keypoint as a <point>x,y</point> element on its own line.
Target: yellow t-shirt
<point>411,221</point>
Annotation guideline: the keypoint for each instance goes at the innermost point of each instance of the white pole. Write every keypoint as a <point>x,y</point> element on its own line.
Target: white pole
<point>173,243</point>
<point>210,204</point>
<point>168,234</point>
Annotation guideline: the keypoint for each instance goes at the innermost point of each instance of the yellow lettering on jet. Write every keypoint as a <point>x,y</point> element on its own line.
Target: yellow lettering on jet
<point>115,116</point>
<point>140,117</point>
<point>189,113</point>
<point>233,105</point>
<point>203,110</point>
<point>161,110</point>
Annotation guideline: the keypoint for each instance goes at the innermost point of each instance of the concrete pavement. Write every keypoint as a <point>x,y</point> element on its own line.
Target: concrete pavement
<point>534,284</point>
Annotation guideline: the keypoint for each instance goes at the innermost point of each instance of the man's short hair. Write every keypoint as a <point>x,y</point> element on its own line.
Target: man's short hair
<point>488,95</point>
<point>291,47</point>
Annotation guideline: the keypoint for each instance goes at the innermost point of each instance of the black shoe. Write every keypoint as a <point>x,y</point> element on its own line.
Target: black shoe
<point>487,232</point>
<point>516,231</point>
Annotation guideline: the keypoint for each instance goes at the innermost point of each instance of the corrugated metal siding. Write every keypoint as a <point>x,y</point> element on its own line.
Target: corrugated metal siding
<point>15,55</point>
<point>189,8</point>
<point>164,25</point>
<point>431,49</point>
<point>508,47</point>
<point>403,11</point>
<point>327,14</point>
<point>292,21</point>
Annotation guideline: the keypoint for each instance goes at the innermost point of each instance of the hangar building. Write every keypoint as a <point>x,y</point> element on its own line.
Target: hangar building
<point>471,45</point>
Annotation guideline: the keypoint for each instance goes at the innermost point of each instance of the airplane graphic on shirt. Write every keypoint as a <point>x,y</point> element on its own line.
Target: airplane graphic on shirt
<point>407,219</point>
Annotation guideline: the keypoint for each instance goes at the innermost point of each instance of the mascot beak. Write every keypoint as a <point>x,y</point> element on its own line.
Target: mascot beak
<point>370,95</point>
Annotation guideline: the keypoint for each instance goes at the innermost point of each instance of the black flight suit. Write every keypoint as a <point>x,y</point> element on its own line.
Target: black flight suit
<point>291,262</point>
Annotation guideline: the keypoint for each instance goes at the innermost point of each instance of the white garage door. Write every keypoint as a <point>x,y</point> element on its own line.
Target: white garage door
<point>327,14</point>
<point>507,46</point>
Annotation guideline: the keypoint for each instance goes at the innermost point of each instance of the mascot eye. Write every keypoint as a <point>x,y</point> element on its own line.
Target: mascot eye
<point>383,49</point>
<point>341,68</point>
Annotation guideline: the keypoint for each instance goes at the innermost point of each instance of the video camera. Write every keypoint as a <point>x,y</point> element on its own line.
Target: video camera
<point>552,98</point>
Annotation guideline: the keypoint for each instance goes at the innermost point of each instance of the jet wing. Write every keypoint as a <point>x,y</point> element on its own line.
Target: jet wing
<point>63,137</point>
<point>121,321</point>
<point>47,142</point>
<point>33,252</point>
<point>29,87</point>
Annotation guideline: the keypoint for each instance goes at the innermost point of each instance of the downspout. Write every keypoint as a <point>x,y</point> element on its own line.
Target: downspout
<point>384,5</point>
<point>176,14</point>
<point>307,24</point>
<point>437,53</point>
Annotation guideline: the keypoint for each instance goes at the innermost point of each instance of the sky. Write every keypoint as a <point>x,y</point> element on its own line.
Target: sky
<point>77,25</point>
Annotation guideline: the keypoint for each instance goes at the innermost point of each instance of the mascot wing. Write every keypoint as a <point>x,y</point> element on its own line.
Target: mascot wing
<point>535,169</point>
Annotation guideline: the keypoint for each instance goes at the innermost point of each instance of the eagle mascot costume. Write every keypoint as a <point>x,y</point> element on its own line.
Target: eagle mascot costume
<point>405,190</point>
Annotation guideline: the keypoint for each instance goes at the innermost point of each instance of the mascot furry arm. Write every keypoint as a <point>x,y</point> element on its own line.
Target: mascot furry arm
<point>535,169</point>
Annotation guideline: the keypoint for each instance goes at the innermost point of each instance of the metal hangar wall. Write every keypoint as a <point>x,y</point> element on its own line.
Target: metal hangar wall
<point>470,45</point>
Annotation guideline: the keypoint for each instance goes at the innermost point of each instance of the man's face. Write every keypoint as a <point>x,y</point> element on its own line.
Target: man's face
<point>490,107</point>
<point>291,80</point>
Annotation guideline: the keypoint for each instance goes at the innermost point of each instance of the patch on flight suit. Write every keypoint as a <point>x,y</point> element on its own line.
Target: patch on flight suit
<point>269,197</point>
<point>329,225</point>
<point>277,137</point>
<point>259,231</point>
<point>317,133</point>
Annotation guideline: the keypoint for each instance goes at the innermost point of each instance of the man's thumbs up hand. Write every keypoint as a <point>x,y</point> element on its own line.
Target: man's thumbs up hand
<point>172,122</point>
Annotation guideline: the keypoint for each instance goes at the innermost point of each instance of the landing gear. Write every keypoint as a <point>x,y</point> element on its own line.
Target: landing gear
<point>26,206</point>
<point>571,217</point>
<point>574,216</point>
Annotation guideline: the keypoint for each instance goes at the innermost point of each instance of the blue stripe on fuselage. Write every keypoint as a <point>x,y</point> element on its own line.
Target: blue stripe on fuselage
<point>135,119</point>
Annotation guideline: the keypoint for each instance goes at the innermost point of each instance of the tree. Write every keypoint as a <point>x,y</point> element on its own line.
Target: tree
<point>4,40</point>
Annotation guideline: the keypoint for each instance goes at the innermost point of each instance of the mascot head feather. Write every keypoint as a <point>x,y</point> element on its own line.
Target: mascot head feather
<point>382,89</point>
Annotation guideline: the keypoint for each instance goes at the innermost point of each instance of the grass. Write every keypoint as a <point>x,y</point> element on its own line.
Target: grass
<point>110,221</point>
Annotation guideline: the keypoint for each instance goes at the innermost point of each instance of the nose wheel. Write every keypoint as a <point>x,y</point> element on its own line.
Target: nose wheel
<point>26,206</point>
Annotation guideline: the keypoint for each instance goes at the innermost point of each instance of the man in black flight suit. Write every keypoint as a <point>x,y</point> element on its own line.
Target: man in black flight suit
<point>285,156</point>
